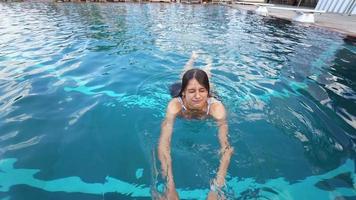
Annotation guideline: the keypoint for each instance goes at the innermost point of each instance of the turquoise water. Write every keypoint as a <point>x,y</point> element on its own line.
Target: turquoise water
<point>84,89</point>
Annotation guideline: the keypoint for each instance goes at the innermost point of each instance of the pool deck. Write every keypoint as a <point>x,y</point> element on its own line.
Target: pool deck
<point>345,24</point>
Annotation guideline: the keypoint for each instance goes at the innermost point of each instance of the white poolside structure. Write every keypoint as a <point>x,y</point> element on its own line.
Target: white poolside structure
<point>347,7</point>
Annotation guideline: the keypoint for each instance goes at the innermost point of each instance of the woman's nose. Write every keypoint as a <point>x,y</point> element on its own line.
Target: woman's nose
<point>197,95</point>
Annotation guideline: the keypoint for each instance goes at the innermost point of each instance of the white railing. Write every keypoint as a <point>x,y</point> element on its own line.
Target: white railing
<point>337,6</point>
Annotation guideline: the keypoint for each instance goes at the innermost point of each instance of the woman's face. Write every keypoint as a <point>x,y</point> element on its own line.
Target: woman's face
<point>195,95</point>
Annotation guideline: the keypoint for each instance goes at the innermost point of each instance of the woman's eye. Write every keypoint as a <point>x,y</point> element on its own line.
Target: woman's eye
<point>202,90</point>
<point>191,91</point>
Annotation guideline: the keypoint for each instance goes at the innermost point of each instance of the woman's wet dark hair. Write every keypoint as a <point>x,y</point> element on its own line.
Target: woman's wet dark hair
<point>197,74</point>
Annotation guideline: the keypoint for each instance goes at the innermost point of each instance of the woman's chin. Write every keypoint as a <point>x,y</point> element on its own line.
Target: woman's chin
<point>197,106</point>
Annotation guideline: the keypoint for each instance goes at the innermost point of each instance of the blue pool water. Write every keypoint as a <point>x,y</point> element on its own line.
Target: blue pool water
<point>83,90</point>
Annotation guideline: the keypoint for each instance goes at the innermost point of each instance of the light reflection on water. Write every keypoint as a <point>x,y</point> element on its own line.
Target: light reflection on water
<point>84,88</point>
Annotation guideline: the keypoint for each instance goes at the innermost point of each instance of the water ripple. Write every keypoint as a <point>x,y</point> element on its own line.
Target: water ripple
<point>285,86</point>
<point>24,144</point>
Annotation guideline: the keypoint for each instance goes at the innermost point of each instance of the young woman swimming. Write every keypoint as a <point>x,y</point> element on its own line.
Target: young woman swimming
<point>194,101</point>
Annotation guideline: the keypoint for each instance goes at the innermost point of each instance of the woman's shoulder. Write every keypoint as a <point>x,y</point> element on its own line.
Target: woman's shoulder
<point>174,106</point>
<point>213,100</point>
<point>174,101</point>
<point>217,109</point>
<point>215,104</point>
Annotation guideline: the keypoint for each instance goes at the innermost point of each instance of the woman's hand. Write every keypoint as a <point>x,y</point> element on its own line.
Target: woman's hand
<point>213,195</point>
<point>216,191</point>
<point>170,194</point>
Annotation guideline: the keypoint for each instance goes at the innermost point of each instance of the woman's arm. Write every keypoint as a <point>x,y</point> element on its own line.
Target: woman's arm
<point>164,150</point>
<point>226,150</point>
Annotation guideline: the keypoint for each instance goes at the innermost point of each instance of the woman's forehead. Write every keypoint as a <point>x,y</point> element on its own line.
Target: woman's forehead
<point>193,83</point>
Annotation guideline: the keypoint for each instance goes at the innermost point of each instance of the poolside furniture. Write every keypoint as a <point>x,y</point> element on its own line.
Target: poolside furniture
<point>261,7</point>
<point>161,1</point>
<point>191,1</point>
<point>222,1</point>
<point>340,6</point>
<point>253,1</point>
<point>302,15</point>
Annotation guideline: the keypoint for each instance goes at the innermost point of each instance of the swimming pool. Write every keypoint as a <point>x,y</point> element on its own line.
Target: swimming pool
<point>84,89</point>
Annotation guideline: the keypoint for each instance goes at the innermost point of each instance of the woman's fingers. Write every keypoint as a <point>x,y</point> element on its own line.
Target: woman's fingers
<point>212,196</point>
